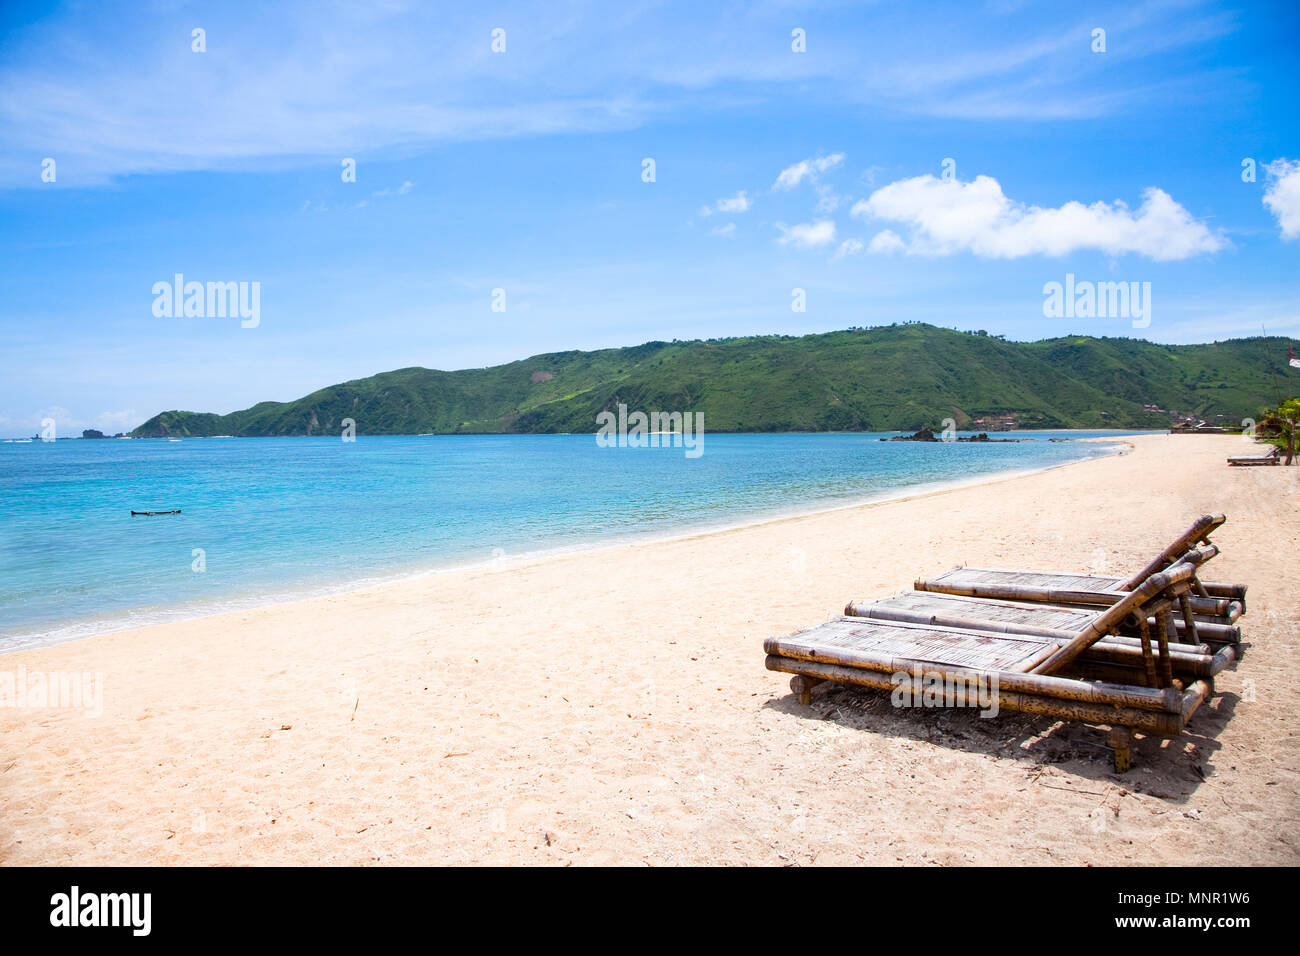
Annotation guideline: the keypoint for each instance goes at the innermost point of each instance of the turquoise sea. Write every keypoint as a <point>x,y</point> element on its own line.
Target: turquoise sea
<point>277,518</point>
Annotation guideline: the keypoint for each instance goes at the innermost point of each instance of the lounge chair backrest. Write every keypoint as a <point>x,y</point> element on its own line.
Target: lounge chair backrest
<point>1175,579</point>
<point>1196,557</point>
<point>1200,530</point>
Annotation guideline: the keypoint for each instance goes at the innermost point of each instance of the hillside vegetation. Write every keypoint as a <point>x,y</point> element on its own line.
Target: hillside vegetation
<point>894,377</point>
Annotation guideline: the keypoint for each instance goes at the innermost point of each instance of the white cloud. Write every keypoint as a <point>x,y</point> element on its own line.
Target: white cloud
<point>828,201</point>
<point>283,86</point>
<point>66,424</point>
<point>808,169</point>
<point>1047,72</point>
<point>815,234</point>
<point>728,230</point>
<point>740,203</point>
<point>118,421</point>
<point>885,242</point>
<point>849,247</point>
<point>1282,196</point>
<point>401,190</point>
<point>737,204</point>
<point>947,217</point>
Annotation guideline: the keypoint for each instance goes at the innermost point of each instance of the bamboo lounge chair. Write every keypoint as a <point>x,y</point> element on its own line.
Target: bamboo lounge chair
<point>1269,457</point>
<point>1215,603</point>
<point>1028,672</point>
<point>1034,617</point>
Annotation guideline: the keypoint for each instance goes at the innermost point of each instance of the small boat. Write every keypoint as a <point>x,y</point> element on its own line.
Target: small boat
<point>151,513</point>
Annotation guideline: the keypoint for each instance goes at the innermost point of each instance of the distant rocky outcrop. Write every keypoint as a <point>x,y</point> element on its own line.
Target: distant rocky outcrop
<point>926,434</point>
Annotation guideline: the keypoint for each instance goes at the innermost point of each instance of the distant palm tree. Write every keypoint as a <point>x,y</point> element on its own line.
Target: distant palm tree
<point>1283,421</point>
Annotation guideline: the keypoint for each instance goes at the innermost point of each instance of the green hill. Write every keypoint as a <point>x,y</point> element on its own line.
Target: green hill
<point>893,377</point>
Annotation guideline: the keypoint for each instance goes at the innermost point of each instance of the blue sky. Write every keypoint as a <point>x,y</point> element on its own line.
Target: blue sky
<point>523,170</point>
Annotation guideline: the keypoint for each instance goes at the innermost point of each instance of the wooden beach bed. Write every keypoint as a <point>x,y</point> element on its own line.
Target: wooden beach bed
<point>1036,673</point>
<point>1119,650</point>
<point>1035,617</point>
<point>1212,602</point>
<point>1269,457</point>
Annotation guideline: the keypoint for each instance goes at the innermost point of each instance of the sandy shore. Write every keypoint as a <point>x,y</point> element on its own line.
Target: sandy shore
<point>612,706</point>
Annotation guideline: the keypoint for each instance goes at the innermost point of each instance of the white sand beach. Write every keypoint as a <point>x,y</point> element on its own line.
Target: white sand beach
<point>611,706</point>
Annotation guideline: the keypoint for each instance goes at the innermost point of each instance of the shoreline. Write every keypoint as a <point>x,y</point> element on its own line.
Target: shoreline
<point>81,629</point>
<point>612,706</point>
<point>894,431</point>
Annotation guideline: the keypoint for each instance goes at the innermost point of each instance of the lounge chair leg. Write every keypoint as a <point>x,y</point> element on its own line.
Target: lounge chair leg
<point>1189,619</point>
<point>803,686</point>
<point>1120,741</point>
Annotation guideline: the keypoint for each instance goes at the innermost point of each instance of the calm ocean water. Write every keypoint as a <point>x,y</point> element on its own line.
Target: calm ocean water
<point>282,517</point>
